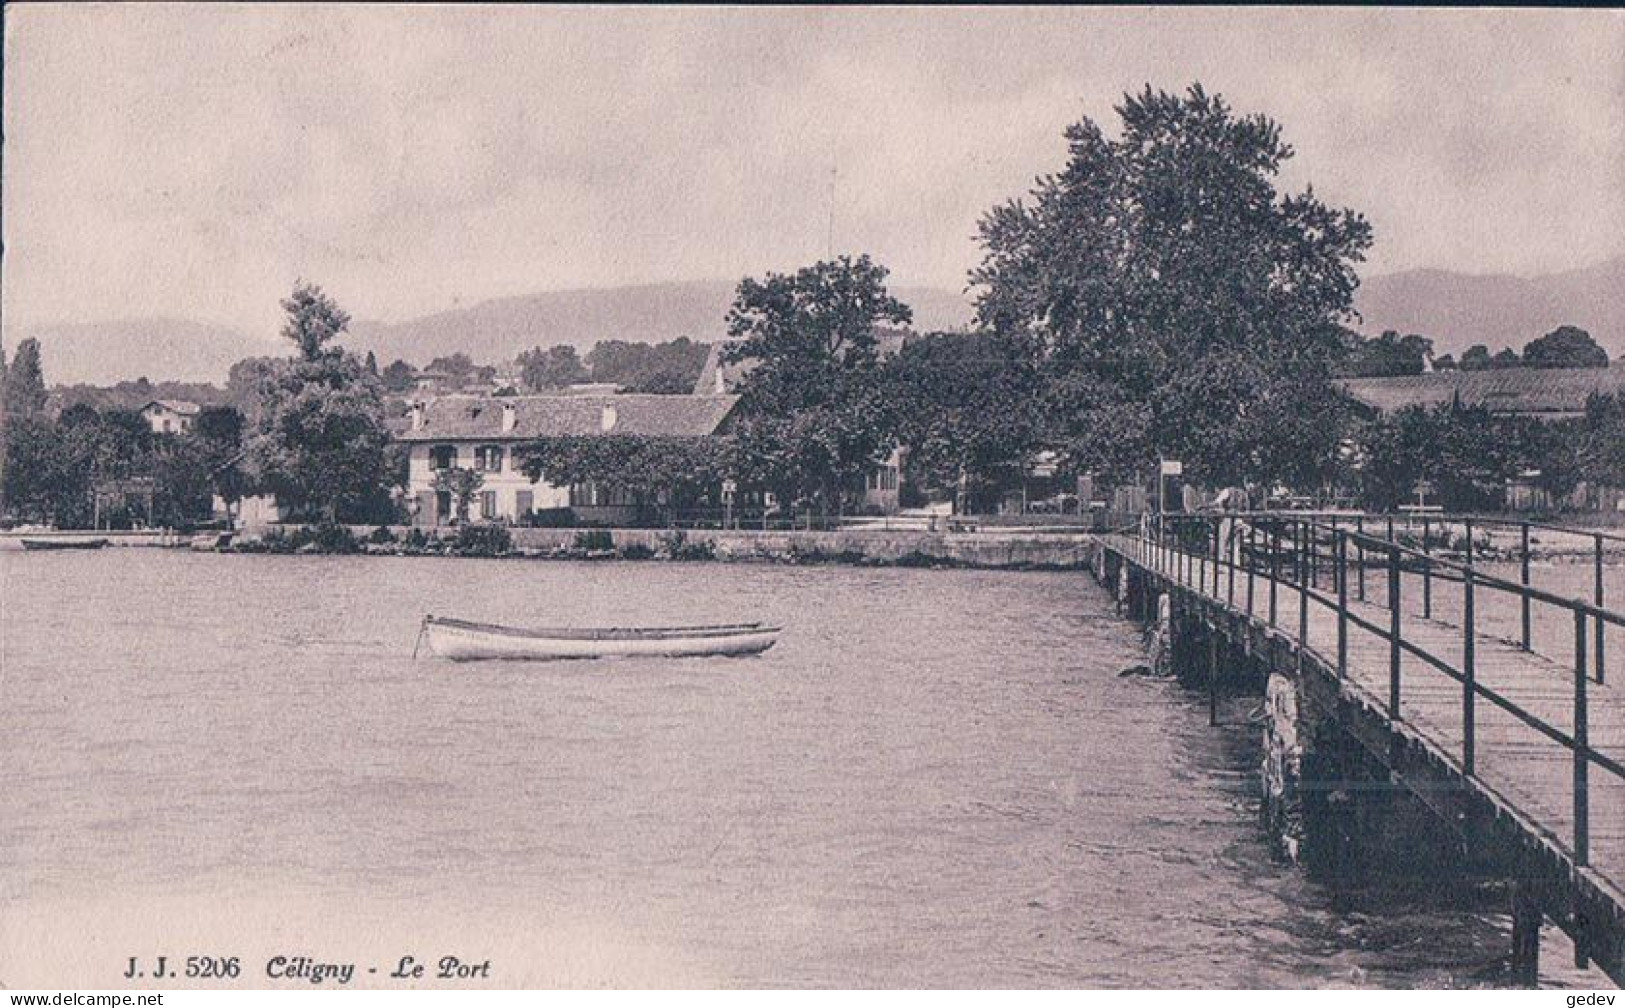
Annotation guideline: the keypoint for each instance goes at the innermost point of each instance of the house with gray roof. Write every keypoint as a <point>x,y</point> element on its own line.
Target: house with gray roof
<point>1539,393</point>
<point>482,433</point>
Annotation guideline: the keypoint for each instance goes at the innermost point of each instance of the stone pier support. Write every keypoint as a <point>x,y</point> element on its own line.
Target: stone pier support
<point>1282,769</point>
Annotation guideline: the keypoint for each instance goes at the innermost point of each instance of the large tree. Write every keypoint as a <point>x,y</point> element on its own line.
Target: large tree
<point>23,387</point>
<point>555,367</point>
<point>1389,355</point>
<point>399,376</point>
<point>1476,358</point>
<point>810,402</point>
<point>1565,347</point>
<point>1173,298</point>
<point>669,368</point>
<point>320,442</point>
<point>968,409</point>
<point>1601,440</point>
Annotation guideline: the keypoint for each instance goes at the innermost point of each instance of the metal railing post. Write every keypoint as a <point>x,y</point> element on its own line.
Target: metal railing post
<point>1252,561</point>
<point>1602,625</point>
<point>1162,543</point>
<point>1230,564</point>
<point>1582,747</point>
<point>1303,600</point>
<point>1342,574</point>
<point>1427,573</point>
<point>1217,526</point>
<point>1393,632</point>
<point>1359,547</point>
<point>1314,553</point>
<point>1275,565</point>
<point>1469,524</point>
<point>1300,560</point>
<point>1524,595</point>
<point>1469,673</point>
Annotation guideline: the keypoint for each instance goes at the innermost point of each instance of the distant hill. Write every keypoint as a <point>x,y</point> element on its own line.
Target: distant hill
<point>492,331</point>
<point>1458,309</point>
<point>104,353</point>
<point>161,349</point>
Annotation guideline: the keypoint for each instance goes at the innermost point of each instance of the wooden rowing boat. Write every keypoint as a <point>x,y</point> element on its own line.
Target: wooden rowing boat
<point>461,640</point>
<point>63,543</point>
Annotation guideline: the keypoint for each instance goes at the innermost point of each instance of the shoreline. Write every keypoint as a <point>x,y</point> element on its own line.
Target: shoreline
<point>1025,550</point>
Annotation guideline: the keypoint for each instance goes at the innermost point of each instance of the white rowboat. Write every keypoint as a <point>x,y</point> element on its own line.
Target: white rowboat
<point>461,640</point>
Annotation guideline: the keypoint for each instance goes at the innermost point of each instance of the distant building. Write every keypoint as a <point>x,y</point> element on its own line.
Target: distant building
<point>1541,393</point>
<point>481,433</point>
<point>434,380</point>
<point>171,416</point>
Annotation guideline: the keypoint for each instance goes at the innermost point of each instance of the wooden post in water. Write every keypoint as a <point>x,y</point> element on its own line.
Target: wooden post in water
<point>1212,676</point>
<point>1526,916</point>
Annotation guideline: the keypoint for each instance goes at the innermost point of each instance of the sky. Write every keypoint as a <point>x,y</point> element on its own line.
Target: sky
<point>192,161</point>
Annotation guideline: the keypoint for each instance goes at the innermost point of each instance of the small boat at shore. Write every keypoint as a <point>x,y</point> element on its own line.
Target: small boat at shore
<point>63,543</point>
<point>460,640</point>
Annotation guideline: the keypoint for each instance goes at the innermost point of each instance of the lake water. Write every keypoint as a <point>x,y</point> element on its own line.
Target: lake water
<point>937,778</point>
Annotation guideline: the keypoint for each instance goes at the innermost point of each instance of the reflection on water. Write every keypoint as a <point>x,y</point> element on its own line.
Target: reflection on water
<point>935,779</point>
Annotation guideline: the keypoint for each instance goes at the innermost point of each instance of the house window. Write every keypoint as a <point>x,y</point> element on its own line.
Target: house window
<point>488,458</point>
<point>593,495</point>
<point>488,504</point>
<point>443,457</point>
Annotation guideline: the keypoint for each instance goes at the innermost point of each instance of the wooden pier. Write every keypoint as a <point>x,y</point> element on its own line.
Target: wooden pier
<point>1513,741</point>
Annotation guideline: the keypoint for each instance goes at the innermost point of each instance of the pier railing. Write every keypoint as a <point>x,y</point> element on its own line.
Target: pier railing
<point>1365,575</point>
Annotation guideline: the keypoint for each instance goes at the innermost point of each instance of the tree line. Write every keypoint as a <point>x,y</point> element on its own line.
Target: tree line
<point>1392,355</point>
<point>1157,297</point>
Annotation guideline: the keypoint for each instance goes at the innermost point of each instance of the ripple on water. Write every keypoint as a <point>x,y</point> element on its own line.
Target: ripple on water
<point>935,779</point>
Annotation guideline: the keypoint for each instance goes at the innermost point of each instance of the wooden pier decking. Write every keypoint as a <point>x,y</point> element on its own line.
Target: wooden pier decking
<point>1515,746</point>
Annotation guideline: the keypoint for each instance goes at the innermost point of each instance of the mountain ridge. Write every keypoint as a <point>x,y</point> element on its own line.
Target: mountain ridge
<point>1454,309</point>
<point>1457,310</point>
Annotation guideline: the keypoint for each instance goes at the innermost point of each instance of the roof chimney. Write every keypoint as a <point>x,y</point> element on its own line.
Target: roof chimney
<point>606,422</point>
<point>417,415</point>
<point>510,416</point>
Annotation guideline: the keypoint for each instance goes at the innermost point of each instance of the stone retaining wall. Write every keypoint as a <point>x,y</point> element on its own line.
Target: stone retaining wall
<point>977,549</point>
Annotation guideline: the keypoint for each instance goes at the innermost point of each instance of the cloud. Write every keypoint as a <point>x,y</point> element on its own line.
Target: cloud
<point>193,160</point>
